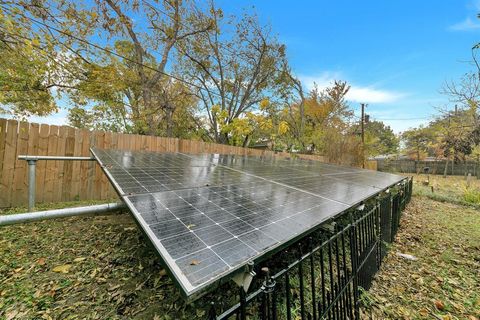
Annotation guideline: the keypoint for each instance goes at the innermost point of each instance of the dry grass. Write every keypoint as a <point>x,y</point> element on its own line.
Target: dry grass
<point>444,283</point>
<point>453,189</point>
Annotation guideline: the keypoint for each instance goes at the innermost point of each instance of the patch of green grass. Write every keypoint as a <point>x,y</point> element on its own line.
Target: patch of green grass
<point>471,195</point>
<point>452,189</point>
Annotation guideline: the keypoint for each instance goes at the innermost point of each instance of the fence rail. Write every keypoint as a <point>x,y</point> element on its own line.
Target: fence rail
<point>332,270</point>
<point>435,167</point>
<point>65,180</point>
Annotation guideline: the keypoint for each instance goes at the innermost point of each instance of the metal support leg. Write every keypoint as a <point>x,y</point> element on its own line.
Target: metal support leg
<point>32,164</point>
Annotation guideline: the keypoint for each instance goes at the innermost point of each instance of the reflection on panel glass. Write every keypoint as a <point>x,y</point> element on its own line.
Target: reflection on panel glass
<point>208,215</point>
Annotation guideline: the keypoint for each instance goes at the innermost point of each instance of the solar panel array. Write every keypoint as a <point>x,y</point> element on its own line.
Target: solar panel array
<point>209,215</point>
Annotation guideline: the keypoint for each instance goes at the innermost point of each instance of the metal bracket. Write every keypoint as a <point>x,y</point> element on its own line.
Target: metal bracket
<point>360,207</point>
<point>244,279</point>
<point>269,283</point>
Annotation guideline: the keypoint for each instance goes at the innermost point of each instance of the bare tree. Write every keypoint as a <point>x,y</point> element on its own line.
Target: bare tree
<point>235,71</point>
<point>170,22</point>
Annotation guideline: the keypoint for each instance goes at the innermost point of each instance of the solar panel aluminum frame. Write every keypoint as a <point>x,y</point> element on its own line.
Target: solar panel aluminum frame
<point>192,293</point>
<point>189,291</point>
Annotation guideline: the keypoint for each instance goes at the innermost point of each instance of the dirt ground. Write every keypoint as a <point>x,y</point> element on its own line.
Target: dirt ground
<point>101,267</point>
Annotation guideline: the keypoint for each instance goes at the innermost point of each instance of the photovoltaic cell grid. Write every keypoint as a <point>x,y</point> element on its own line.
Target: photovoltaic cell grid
<point>209,215</point>
<point>346,185</point>
<point>146,172</point>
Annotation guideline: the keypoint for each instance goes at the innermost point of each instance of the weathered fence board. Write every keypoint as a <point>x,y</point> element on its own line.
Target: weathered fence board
<point>9,162</point>
<point>71,180</point>
<point>19,178</point>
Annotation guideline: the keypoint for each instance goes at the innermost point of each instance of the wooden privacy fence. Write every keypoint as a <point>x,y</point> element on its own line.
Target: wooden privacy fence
<point>79,180</point>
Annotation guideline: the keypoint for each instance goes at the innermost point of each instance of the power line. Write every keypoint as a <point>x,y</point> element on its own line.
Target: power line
<point>191,30</point>
<point>402,119</point>
<point>112,52</point>
<point>393,119</point>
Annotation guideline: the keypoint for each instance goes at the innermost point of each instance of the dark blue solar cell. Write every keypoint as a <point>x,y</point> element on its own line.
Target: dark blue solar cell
<point>208,215</point>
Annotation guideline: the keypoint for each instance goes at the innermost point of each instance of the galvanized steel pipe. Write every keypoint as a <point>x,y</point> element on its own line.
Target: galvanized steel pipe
<point>32,164</point>
<point>72,158</point>
<point>59,213</point>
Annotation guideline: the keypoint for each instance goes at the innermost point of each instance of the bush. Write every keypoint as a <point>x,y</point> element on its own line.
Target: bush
<point>471,195</point>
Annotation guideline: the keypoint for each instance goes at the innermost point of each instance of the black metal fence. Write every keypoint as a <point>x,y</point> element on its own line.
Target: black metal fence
<point>435,167</point>
<point>324,275</point>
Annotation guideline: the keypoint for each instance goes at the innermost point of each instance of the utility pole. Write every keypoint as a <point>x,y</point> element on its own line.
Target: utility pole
<point>363,105</point>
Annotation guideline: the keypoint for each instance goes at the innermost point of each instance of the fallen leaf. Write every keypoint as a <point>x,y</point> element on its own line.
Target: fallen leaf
<point>439,305</point>
<point>112,288</point>
<point>41,261</point>
<point>65,268</point>
<point>11,315</point>
<point>194,262</point>
<point>18,270</point>
<point>423,312</point>
<point>80,259</point>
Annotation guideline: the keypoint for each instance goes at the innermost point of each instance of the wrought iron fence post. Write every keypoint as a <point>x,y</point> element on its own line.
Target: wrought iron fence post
<point>312,279</point>
<point>243,304</point>
<point>353,258</point>
<point>212,314</point>
<point>378,229</point>
<point>393,219</point>
<point>301,283</point>
<point>269,309</point>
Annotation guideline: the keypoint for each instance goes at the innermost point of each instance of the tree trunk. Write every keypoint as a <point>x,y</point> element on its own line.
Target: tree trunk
<point>246,141</point>
<point>169,120</point>
<point>222,138</point>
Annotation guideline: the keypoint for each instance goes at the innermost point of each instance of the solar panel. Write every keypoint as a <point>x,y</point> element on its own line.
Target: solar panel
<point>343,184</point>
<point>144,172</point>
<point>209,215</point>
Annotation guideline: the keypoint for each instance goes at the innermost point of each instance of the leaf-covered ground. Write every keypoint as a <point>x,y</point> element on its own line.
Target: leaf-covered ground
<point>444,281</point>
<point>101,268</point>
<point>85,268</point>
